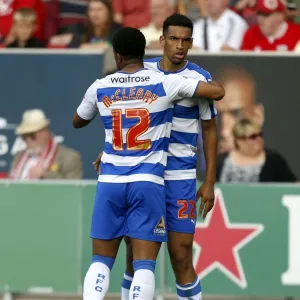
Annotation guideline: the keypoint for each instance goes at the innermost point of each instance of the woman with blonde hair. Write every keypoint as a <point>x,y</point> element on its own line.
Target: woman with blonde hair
<point>249,161</point>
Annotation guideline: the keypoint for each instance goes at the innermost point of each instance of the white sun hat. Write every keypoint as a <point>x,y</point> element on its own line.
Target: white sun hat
<point>32,121</point>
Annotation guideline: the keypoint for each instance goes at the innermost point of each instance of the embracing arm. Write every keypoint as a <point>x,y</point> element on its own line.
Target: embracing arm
<point>212,90</point>
<point>178,86</point>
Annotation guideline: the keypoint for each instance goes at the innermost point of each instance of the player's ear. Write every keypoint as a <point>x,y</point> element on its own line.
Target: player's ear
<point>117,57</point>
<point>162,41</point>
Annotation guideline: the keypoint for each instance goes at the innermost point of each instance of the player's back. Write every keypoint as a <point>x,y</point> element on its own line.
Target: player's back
<point>136,113</point>
<point>182,159</point>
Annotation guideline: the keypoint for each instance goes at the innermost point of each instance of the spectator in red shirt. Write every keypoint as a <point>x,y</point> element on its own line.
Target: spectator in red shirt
<point>272,33</point>
<point>133,13</point>
<point>7,9</point>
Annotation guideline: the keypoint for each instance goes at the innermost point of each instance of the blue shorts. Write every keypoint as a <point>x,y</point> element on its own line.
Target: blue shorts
<point>181,205</point>
<point>135,209</point>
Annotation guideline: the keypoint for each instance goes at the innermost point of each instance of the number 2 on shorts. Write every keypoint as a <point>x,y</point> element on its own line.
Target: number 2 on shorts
<point>134,132</point>
<point>184,207</point>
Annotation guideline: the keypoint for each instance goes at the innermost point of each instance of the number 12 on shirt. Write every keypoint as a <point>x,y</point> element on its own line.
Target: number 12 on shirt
<point>132,142</point>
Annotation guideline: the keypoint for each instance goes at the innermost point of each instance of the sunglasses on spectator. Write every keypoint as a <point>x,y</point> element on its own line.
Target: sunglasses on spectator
<point>32,136</point>
<point>251,137</point>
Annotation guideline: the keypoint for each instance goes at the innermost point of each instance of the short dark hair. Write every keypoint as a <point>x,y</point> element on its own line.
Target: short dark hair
<point>177,20</point>
<point>129,42</point>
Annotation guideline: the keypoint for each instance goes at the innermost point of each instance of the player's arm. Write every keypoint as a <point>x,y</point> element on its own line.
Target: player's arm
<point>211,90</point>
<point>179,87</point>
<point>208,112</point>
<point>210,142</point>
<point>88,109</point>
<point>78,122</point>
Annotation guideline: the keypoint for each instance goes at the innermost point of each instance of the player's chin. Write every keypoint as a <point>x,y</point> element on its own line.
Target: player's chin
<point>177,60</point>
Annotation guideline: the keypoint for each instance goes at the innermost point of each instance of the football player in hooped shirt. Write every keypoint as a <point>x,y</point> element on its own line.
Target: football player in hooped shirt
<point>130,196</point>
<point>180,174</point>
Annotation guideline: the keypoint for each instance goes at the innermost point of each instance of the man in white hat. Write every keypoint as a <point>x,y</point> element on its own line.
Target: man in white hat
<point>43,158</point>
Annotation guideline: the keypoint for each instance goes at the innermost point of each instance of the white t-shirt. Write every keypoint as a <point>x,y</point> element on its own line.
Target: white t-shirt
<point>228,30</point>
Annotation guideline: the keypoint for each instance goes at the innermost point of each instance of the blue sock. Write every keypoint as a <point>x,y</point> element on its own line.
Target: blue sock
<point>126,284</point>
<point>144,264</point>
<point>108,261</point>
<point>191,291</point>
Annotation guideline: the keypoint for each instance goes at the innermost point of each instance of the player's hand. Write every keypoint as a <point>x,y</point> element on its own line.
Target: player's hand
<point>37,171</point>
<point>97,162</point>
<point>207,194</point>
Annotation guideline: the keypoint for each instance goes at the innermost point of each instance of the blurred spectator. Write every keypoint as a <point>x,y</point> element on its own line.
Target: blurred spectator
<point>159,11</point>
<point>249,161</point>
<point>61,15</point>
<point>191,8</point>
<point>272,32</point>
<point>239,101</point>
<point>223,29</point>
<point>99,28</point>
<point>133,13</point>
<point>8,8</point>
<point>291,11</point>
<point>247,10</point>
<point>43,158</point>
<point>24,26</point>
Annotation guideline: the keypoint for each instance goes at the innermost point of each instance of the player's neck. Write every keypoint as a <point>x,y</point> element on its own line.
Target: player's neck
<point>132,67</point>
<point>166,65</point>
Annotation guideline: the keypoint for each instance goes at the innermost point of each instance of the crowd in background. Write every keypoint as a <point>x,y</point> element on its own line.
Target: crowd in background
<point>255,25</point>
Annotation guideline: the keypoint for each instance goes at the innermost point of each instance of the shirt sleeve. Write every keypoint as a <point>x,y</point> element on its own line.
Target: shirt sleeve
<point>207,109</point>
<point>237,33</point>
<point>88,108</point>
<point>179,87</point>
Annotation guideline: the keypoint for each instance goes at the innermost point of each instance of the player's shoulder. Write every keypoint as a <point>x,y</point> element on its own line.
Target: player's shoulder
<point>194,68</point>
<point>152,63</point>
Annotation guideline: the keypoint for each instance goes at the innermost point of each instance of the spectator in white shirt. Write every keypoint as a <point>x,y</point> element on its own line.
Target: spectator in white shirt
<point>223,29</point>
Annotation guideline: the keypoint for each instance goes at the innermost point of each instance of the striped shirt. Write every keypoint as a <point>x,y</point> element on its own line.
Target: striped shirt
<point>182,158</point>
<point>136,110</point>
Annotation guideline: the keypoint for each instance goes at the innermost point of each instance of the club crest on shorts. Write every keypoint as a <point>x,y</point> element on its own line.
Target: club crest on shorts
<point>160,227</point>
